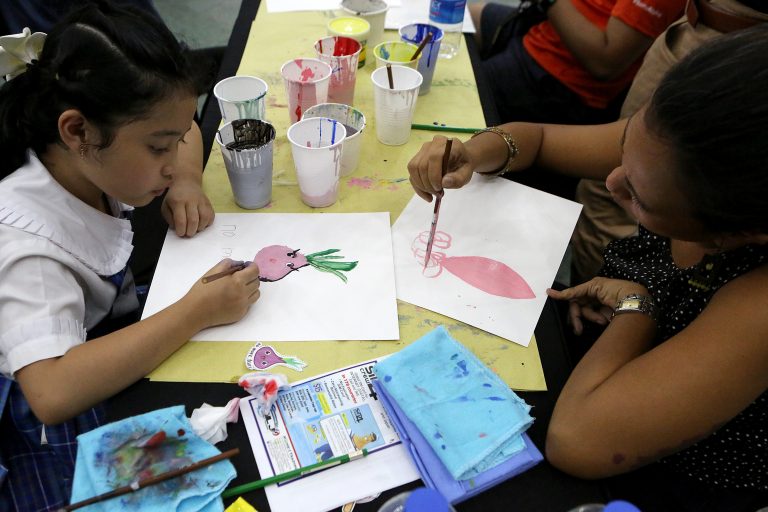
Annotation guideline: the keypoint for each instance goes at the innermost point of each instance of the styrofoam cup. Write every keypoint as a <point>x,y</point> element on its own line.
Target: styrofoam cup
<point>354,125</point>
<point>306,84</point>
<point>395,106</point>
<point>241,97</point>
<point>316,146</point>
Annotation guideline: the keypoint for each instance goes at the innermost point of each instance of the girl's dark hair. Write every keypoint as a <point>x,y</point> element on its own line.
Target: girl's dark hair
<point>111,63</point>
<point>712,111</point>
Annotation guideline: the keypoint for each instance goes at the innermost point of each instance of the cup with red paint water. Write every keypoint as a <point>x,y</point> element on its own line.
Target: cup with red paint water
<point>316,146</point>
<point>342,54</point>
<point>306,83</point>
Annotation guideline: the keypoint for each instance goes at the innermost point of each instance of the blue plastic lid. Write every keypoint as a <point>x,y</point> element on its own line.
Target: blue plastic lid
<point>426,500</point>
<point>620,506</point>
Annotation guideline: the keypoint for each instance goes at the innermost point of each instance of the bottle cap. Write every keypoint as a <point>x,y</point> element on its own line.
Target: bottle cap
<point>424,499</point>
<point>620,506</point>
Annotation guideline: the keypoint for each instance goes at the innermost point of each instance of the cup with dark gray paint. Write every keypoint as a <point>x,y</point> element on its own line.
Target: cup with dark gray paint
<point>247,149</point>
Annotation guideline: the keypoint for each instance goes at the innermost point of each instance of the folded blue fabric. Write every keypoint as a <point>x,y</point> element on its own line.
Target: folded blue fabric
<point>143,446</point>
<point>434,473</point>
<point>469,416</point>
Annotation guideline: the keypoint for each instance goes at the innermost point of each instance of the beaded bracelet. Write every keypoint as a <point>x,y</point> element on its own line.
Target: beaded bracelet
<point>512,149</point>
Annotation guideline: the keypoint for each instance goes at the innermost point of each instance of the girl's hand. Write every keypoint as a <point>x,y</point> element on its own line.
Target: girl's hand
<point>186,208</point>
<point>426,168</point>
<point>227,299</point>
<point>595,299</point>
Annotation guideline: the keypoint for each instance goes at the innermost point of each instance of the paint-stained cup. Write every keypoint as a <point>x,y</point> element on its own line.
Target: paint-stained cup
<point>354,124</point>
<point>316,146</point>
<point>241,97</point>
<point>396,53</point>
<point>342,54</point>
<point>306,84</point>
<point>374,12</point>
<point>415,34</point>
<point>354,27</point>
<point>395,106</point>
<point>246,145</point>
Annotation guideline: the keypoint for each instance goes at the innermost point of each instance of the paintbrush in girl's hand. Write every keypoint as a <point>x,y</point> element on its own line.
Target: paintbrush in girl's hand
<point>236,267</point>
<point>152,480</point>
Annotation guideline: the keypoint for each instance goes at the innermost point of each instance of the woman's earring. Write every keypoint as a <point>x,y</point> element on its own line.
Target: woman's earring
<point>83,149</point>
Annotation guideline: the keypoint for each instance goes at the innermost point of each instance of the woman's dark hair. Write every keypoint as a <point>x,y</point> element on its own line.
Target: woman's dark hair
<point>712,111</point>
<point>111,63</point>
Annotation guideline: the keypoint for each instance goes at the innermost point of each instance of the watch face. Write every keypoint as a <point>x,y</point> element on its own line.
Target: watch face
<point>633,303</point>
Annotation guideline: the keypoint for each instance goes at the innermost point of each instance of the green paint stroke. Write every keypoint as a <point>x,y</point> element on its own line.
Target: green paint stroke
<point>324,261</point>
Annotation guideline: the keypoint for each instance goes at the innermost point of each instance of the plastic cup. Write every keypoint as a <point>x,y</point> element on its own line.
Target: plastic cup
<point>396,53</point>
<point>415,34</point>
<point>354,27</point>
<point>374,12</point>
<point>316,145</point>
<point>354,124</point>
<point>395,107</point>
<point>306,84</point>
<point>246,145</point>
<point>342,54</point>
<point>241,97</point>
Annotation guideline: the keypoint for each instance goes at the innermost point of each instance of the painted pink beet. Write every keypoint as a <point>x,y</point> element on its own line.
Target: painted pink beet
<point>277,261</point>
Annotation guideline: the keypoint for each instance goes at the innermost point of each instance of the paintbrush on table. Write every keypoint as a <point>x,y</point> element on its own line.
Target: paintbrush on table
<point>153,480</point>
<point>438,200</point>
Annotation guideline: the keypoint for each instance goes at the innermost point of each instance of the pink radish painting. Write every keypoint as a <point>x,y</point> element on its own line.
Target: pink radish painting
<point>277,261</point>
<point>485,274</point>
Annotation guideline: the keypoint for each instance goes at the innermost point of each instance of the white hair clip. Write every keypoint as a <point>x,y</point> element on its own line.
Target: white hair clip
<point>18,50</point>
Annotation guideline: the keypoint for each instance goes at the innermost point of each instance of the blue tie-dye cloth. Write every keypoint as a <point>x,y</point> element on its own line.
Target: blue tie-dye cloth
<point>469,416</point>
<point>135,448</point>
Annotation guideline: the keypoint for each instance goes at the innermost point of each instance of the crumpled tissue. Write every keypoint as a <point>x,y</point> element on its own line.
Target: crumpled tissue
<point>210,422</point>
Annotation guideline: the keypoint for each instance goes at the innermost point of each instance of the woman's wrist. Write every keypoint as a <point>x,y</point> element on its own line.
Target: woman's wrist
<point>511,146</point>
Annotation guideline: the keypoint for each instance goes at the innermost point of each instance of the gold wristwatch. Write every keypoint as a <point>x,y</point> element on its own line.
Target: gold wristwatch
<point>635,303</point>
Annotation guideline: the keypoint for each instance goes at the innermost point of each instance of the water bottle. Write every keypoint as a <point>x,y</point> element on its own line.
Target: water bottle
<point>448,15</point>
<point>418,500</point>
<point>611,506</point>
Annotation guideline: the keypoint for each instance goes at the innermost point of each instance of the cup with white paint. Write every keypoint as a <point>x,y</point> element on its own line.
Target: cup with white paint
<point>241,97</point>
<point>247,148</point>
<point>354,124</point>
<point>395,106</point>
<point>316,146</point>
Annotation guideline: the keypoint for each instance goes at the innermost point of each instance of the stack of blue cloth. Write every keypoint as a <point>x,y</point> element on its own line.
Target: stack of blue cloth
<point>464,427</point>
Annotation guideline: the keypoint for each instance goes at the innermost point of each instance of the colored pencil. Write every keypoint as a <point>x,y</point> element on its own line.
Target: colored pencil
<point>290,475</point>
<point>444,128</point>
<point>152,480</point>
<point>236,267</point>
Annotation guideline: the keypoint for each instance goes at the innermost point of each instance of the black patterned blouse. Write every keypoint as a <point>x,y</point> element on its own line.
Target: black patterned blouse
<point>736,455</point>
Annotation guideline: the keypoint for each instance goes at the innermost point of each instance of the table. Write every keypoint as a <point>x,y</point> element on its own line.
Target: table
<point>542,488</point>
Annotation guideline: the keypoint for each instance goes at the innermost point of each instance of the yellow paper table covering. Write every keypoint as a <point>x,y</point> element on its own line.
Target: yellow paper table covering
<point>380,183</point>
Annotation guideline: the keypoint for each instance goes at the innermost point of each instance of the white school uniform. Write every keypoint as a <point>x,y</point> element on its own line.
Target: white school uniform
<point>55,254</point>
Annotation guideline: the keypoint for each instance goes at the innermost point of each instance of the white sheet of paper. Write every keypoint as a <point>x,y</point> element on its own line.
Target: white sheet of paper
<point>311,5</point>
<point>417,11</point>
<point>525,229</point>
<point>297,423</point>
<point>306,304</point>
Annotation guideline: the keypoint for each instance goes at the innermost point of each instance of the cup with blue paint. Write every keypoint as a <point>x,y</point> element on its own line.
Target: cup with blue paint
<point>354,124</point>
<point>316,146</point>
<point>241,97</point>
<point>247,148</point>
<point>415,33</point>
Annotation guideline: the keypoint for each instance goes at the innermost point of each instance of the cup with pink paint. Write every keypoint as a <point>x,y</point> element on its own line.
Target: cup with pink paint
<point>316,146</point>
<point>415,33</point>
<point>354,124</point>
<point>342,54</point>
<point>306,84</point>
<point>395,105</point>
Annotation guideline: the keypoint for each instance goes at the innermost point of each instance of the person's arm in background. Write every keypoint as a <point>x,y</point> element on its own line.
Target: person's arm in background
<point>186,208</point>
<point>604,53</point>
